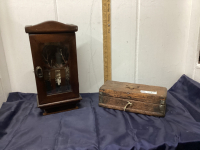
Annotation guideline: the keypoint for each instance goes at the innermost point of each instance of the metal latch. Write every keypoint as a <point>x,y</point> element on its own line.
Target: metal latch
<point>162,102</point>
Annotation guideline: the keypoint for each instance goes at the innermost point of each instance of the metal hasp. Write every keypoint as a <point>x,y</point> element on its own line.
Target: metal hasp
<point>162,106</point>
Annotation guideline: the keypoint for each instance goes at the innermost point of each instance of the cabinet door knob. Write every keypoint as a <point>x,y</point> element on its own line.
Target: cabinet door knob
<point>38,72</point>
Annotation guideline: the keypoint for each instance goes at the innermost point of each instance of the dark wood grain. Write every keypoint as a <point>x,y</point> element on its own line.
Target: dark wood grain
<point>55,32</point>
<point>37,40</point>
<point>51,27</point>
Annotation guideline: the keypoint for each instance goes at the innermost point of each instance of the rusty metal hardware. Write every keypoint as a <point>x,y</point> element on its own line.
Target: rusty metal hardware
<point>162,102</point>
<point>39,72</point>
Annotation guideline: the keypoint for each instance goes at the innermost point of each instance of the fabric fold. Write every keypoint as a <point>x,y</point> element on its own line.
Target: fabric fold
<point>22,126</point>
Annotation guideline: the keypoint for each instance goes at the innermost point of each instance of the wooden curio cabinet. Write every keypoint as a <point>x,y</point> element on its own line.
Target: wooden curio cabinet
<point>53,47</point>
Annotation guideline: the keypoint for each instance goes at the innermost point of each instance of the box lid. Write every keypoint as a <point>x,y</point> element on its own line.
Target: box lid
<point>140,92</point>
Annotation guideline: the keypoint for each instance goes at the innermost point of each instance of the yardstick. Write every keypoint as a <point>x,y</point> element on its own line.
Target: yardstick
<point>106,39</point>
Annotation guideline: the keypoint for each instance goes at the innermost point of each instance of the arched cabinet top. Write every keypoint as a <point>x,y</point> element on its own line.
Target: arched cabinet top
<point>51,27</point>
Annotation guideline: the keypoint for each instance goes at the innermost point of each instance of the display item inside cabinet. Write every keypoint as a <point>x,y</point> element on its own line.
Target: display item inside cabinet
<point>53,47</point>
<point>137,98</point>
<point>56,73</point>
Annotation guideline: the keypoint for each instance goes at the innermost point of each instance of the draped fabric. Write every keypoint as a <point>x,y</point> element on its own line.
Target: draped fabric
<point>22,126</point>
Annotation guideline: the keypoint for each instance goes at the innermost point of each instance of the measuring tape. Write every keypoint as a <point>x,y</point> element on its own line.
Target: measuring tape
<point>106,39</point>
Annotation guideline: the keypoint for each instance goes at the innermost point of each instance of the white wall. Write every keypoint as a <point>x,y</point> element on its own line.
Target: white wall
<point>5,86</point>
<point>163,35</point>
<point>149,39</point>
<point>192,69</point>
<point>123,39</point>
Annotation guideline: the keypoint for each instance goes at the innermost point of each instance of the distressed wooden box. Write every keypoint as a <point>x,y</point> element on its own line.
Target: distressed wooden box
<point>136,98</point>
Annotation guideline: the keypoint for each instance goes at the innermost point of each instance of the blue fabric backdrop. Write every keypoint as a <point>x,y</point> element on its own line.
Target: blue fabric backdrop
<point>22,126</point>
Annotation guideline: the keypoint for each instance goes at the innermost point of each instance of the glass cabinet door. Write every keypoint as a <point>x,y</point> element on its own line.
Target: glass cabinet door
<point>56,68</point>
<point>55,62</point>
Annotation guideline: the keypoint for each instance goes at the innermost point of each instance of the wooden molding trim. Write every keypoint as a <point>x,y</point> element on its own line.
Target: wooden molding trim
<point>51,27</point>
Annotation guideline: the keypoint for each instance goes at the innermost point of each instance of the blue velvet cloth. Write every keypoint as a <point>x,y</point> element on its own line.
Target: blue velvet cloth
<point>22,126</point>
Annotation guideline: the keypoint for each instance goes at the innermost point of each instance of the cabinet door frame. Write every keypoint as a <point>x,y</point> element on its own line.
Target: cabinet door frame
<point>37,41</point>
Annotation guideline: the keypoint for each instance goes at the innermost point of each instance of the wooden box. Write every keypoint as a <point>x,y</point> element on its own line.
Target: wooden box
<point>136,98</point>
